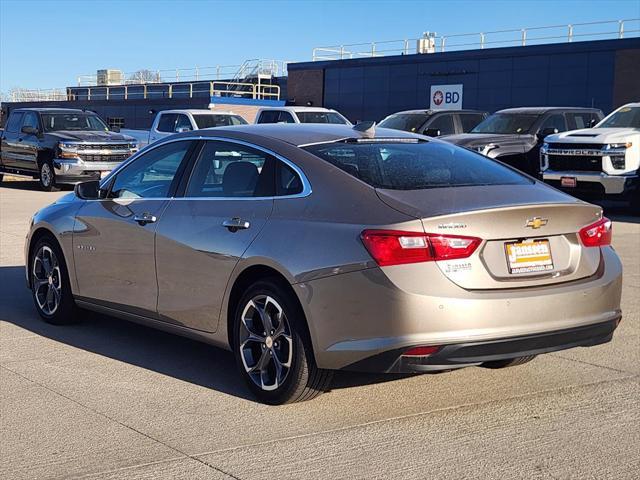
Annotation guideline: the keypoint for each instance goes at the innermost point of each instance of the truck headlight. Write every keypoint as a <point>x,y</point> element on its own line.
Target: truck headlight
<point>618,162</point>
<point>67,150</point>
<point>611,146</point>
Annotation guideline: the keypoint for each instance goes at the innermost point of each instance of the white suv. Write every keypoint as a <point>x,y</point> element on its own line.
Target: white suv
<point>300,115</point>
<point>599,162</point>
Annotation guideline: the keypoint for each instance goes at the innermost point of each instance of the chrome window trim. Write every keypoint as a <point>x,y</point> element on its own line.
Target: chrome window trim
<point>306,185</point>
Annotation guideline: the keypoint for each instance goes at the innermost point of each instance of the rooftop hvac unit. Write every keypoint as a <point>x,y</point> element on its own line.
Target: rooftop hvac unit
<point>109,77</point>
<point>427,44</point>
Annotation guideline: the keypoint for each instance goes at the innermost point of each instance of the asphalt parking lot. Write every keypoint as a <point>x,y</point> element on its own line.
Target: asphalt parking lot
<point>109,399</point>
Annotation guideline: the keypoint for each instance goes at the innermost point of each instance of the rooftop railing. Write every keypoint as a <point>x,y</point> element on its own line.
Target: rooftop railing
<point>433,43</point>
<point>274,68</point>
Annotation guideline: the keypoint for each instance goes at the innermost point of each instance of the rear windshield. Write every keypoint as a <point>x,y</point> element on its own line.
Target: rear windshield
<point>320,117</point>
<point>517,123</point>
<point>409,122</point>
<point>415,166</point>
<point>210,121</point>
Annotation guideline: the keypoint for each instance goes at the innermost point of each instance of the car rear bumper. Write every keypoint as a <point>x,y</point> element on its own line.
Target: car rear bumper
<point>475,353</point>
<point>76,170</point>
<point>360,315</point>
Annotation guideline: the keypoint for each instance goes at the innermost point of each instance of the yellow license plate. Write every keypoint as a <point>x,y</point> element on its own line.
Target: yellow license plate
<point>529,257</point>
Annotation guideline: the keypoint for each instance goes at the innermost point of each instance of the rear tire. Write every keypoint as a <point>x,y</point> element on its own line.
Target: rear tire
<point>50,286</point>
<point>511,362</point>
<point>271,345</point>
<point>47,176</point>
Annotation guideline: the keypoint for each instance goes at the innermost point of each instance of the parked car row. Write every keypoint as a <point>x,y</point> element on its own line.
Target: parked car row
<point>554,143</point>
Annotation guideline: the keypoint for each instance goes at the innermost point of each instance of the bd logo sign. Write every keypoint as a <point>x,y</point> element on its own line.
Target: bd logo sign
<point>446,97</point>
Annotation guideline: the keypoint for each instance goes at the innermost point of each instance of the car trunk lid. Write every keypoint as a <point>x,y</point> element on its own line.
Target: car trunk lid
<point>529,233</point>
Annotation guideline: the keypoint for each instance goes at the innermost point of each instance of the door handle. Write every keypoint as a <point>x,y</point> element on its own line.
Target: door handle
<point>145,218</point>
<point>236,224</point>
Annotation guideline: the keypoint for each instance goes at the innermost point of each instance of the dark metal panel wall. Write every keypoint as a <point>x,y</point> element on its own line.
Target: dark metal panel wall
<point>570,74</point>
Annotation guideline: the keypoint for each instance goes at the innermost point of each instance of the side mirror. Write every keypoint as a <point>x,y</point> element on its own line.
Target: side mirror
<point>546,132</point>
<point>29,130</point>
<point>183,129</point>
<point>593,122</point>
<point>88,190</point>
<point>431,132</point>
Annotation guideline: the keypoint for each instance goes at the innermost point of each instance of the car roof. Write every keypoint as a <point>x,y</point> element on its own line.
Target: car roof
<point>540,110</point>
<point>429,111</point>
<point>299,109</point>
<point>51,110</point>
<point>198,111</point>
<point>302,134</point>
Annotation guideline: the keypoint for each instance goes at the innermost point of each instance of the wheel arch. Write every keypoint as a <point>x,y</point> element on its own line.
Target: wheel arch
<point>35,237</point>
<point>250,275</point>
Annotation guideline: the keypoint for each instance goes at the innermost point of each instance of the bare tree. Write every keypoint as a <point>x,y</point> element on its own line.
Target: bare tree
<point>145,76</point>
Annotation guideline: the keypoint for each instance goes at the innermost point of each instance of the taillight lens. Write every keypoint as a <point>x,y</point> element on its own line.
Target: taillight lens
<point>597,234</point>
<point>421,351</point>
<point>391,247</point>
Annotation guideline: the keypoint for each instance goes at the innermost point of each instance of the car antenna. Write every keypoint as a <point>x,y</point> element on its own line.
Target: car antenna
<point>367,129</point>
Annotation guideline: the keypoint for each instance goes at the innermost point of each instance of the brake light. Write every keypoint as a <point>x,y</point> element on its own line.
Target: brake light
<point>392,247</point>
<point>597,234</point>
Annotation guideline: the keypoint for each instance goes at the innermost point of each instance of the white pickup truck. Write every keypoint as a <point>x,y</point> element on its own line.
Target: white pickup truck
<point>602,162</point>
<point>168,122</point>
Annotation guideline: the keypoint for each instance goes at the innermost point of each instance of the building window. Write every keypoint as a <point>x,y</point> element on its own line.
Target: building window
<point>115,122</point>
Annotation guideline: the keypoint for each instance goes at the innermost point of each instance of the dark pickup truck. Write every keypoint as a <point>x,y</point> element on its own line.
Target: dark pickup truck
<point>60,146</point>
<point>514,136</point>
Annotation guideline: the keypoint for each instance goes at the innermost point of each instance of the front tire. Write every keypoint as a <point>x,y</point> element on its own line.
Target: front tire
<point>272,348</point>
<point>47,176</point>
<point>50,286</point>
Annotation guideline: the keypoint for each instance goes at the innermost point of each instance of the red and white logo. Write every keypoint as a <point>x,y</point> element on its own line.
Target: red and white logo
<point>438,97</point>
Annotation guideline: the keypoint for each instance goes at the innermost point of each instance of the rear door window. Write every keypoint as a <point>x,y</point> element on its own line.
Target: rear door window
<point>15,120</point>
<point>225,169</point>
<point>470,120</point>
<point>556,121</point>
<point>442,122</point>
<point>416,166</point>
<point>269,116</point>
<point>579,120</point>
<point>285,117</point>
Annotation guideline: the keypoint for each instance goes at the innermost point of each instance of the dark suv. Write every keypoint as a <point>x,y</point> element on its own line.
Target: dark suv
<point>434,122</point>
<point>60,145</point>
<point>515,135</point>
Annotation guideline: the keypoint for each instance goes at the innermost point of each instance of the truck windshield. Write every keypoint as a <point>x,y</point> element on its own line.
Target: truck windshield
<point>626,117</point>
<point>210,121</point>
<point>54,122</point>
<point>415,166</point>
<point>409,122</point>
<point>321,117</point>
<point>506,123</point>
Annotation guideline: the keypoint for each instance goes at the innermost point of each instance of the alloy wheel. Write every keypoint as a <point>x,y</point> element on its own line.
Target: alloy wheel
<point>47,280</point>
<point>45,174</point>
<point>266,346</point>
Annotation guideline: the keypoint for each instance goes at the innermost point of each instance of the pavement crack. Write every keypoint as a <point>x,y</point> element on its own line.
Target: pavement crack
<point>591,364</point>
<point>419,414</point>
<point>124,425</point>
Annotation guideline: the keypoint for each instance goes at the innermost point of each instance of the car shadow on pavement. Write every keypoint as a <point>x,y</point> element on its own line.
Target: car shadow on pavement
<point>167,354</point>
<point>24,184</point>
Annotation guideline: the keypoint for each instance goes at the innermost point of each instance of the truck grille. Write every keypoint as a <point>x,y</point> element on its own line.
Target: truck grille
<point>575,163</point>
<point>105,158</point>
<point>577,146</point>
<point>103,146</point>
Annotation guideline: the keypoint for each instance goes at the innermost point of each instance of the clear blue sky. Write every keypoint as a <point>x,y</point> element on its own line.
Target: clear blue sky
<point>49,43</point>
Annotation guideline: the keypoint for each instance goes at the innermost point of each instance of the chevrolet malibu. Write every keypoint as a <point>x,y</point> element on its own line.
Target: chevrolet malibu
<point>307,249</point>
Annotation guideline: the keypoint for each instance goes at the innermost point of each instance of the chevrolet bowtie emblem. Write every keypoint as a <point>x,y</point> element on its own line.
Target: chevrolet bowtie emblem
<point>536,222</point>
